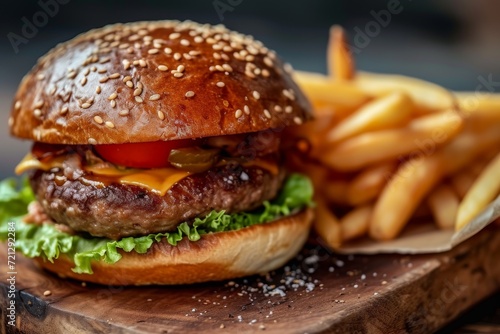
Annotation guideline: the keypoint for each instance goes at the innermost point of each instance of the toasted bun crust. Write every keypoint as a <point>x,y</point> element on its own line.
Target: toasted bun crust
<point>219,256</point>
<point>112,85</point>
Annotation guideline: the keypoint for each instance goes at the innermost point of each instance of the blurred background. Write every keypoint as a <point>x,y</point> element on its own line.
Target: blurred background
<point>455,43</point>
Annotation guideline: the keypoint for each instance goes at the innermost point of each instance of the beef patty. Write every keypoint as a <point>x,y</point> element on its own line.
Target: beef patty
<point>118,210</point>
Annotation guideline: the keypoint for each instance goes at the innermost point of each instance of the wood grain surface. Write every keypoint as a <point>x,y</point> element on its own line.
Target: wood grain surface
<point>318,292</point>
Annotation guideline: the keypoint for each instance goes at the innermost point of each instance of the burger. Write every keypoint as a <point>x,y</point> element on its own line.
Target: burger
<point>157,157</point>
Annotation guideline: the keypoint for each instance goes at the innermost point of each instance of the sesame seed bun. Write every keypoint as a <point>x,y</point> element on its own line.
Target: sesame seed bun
<point>151,81</point>
<point>256,249</point>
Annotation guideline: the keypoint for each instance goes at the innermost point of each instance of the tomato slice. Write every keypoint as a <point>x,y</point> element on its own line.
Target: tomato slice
<point>142,155</point>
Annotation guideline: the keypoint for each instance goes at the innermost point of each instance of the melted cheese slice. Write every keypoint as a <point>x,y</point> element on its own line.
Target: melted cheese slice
<point>157,180</point>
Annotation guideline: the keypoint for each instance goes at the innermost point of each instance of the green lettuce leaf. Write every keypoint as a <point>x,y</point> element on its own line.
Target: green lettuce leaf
<point>48,242</point>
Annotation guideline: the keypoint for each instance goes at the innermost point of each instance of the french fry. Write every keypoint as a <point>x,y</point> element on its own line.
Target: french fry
<point>443,202</point>
<point>483,191</point>
<point>323,89</point>
<point>355,224</point>
<point>388,111</point>
<point>327,225</point>
<point>402,195</point>
<point>477,106</point>
<point>426,95</point>
<point>368,184</point>
<point>339,58</point>
<point>422,136</point>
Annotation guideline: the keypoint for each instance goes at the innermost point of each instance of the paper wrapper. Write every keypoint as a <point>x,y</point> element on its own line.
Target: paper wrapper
<point>425,238</point>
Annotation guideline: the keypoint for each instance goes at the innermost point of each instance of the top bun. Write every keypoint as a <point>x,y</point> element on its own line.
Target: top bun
<point>150,81</point>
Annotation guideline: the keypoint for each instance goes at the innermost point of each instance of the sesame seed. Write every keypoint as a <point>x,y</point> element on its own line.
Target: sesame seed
<point>135,62</point>
<point>154,97</point>
<point>217,47</point>
<point>98,119</point>
<point>288,109</point>
<point>40,76</point>
<point>185,42</point>
<point>142,63</point>
<point>64,110</point>
<point>211,68</point>
<point>123,112</point>
<point>92,141</point>
<point>189,94</point>
<point>162,68</point>
<point>123,45</point>
<point>130,50</point>
<point>71,75</point>
<point>127,78</point>
<point>109,124</point>
<point>102,71</point>
<point>93,68</point>
<point>278,108</point>
<point>104,60</point>
<point>83,81</point>
<point>126,64</point>
<point>134,38</point>
<point>113,96</point>
<point>246,109</point>
<point>114,75</point>
<point>256,95</point>
<point>219,68</point>
<point>227,67</point>
<point>38,104</point>
<point>178,74</point>
<point>227,48</point>
<point>37,112</point>
<point>103,79</point>
<point>86,72</point>
<point>225,56</point>
<point>225,103</point>
<point>238,113</point>
<point>47,293</point>
<point>17,106</point>
<point>198,39</point>
<point>139,99</point>
<point>129,84</point>
<point>148,38</point>
<point>11,121</point>
<point>137,91</point>
<point>265,73</point>
<point>289,94</point>
<point>113,103</point>
<point>52,90</point>
<point>98,89</point>
<point>86,105</point>
<point>268,61</point>
<point>216,55</point>
<point>167,50</point>
<point>153,51</point>
<point>174,35</point>
<point>220,84</point>
<point>288,67</point>
<point>161,115</point>
<point>297,120</point>
<point>177,56</point>
<point>249,58</point>
<point>267,113</point>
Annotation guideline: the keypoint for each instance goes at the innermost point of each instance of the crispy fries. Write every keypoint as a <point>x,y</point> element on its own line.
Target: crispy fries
<point>383,113</point>
<point>482,192</point>
<point>386,150</point>
<point>340,61</point>
<point>443,202</point>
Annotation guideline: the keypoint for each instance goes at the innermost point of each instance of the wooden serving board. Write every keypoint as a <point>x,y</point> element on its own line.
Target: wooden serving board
<point>322,293</point>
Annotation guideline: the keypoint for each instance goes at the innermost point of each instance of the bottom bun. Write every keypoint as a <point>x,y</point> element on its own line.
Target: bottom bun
<point>217,256</point>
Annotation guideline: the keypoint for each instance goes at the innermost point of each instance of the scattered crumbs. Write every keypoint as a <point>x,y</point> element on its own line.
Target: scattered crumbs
<point>339,263</point>
<point>363,276</point>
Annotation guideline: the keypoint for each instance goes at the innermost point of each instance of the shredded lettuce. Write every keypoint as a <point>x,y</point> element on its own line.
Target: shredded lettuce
<point>48,242</point>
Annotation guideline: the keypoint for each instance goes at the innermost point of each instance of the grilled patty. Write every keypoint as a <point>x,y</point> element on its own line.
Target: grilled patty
<point>117,210</point>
